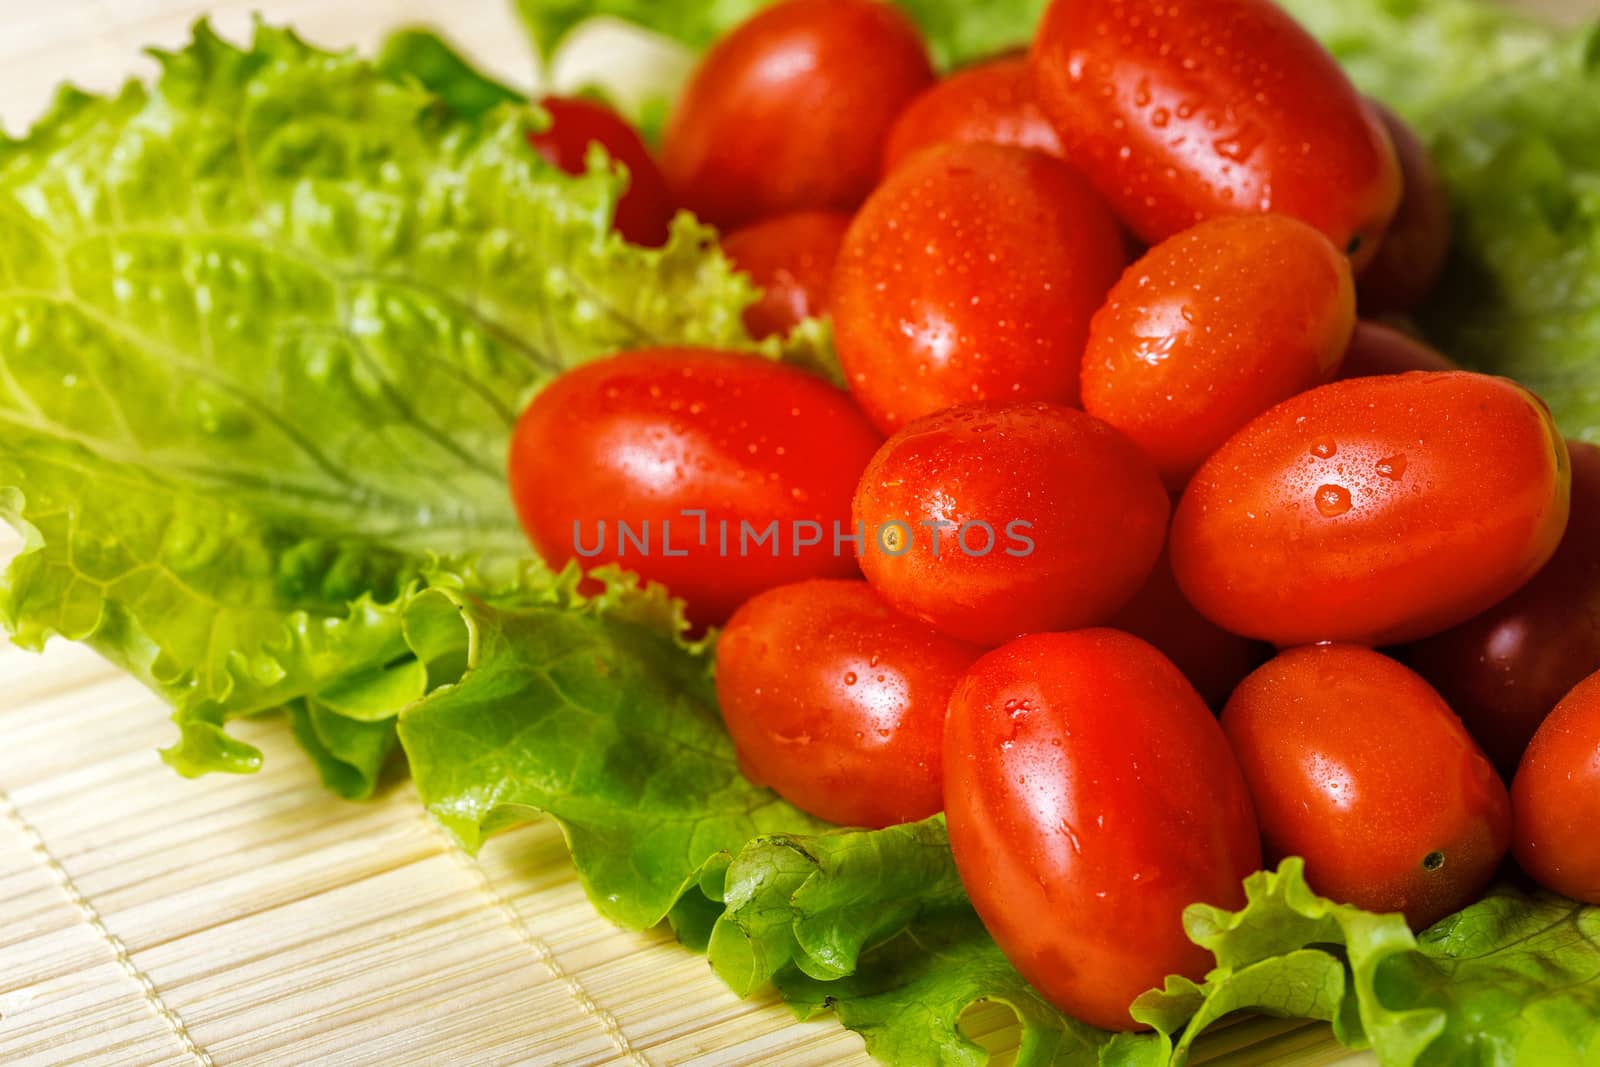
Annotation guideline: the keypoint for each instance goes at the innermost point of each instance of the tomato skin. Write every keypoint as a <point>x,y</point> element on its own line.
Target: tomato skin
<point>1212,327</point>
<point>1358,766</point>
<point>1412,251</point>
<point>837,701</point>
<point>644,214</point>
<point>1090,798</point>
<point>789,111</point>
<point>1504,670</point>
<point>971,275</point>
<point>1095,509</point>
<point>1378,349</point>
<point>990,103</point>
<point>642,436</point>
<point>1223,107</point>
<point>1556,798</point>
<point>791,257</point>
<point>1374,510</point>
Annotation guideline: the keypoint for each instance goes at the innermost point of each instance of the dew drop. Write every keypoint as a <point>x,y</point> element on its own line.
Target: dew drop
<point>1392,467</point>
<point>1333,500</point>
<point>1324,448</point>
<point>849,677</point>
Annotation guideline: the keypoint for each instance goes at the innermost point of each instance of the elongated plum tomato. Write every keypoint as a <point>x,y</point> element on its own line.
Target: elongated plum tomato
<point>1181,112</point>
<point>1378,349</point>
<point>1360,768</point>
<point>790,110</point>
<point>1412,251</point>
<point>836,701</point>
<point>1212,327</point>
<point>996,520</point>
<point>1556,798</point>
<point>643,437</point>
<point>1091,797</point>
<point>991,103</point>
<point>1374,510</point>
<point>645,211</point>
<point>971,275</point>
<point>791,259</point>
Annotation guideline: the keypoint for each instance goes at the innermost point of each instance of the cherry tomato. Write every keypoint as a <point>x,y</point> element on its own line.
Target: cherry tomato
<point>837,702</point>
<point>1378,349</point>
<point>1374,511</point>
<point>646,439</point>
<point>1360,768</point>
<point>971,275</point>
<point>1090,798</point>
<point>1505,669</point>
<point>1211,328</point>
<point>996,520</point>
<point>1556,798</point>
<point>1180,112</point>
<point>790,110</point>
<point>791,258</point>
<point>991,103</point>
<point>1412,251</point>
<point>644,214</point>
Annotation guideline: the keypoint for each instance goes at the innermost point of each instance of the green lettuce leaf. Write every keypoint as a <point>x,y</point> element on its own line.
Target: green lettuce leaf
<point>442,70</point>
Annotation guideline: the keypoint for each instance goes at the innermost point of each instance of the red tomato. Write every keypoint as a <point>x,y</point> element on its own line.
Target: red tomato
<point>1003,519</point>
<point>791,258</point>
<point>1374,511</point>
<point>1412,252</point>
<point>1556,798</point>
<point>789,111</point>
<point>971,275</point>
<point>1357,766</point>
<point>1091,797</point>
<point>644,214</point>
<point>1378,349</point>
<point>1505,669</point>
<point>1211,328</point>
<point>640,439</point>
<point>992,103</point>
<point>1181,112</point>
<point>837,702</point>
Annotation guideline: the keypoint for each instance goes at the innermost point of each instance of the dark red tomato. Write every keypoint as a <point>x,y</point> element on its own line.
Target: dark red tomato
<point>1374,511</point>
<point>1556,798</point>
<point>644,214</point>
<point>971,275</point>
<point>790,110</point>
<point>1181,112</point>
<point>1212,327</point>
<point>1504,670</point>
<point>1091,797</point>
<point>837,702</point>
<point>649,440</point>
<point>791,258</point>
<point>996,520</point>
<point>1360,768</point>
<point>1412,251</point>
<point>1378,349</point>
<point>992,103</point>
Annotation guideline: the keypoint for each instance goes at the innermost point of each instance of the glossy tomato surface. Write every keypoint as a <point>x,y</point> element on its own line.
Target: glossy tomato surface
<point>641,438</point>
<point>645,211</point>
<point>1378,349</point>
<point>1210,328</point>
<point>837,702</point>
<point>1556,797</point>
<point>1412,251</point>
<point>790,110</point>
<point>791,259</point>
<point>971,275</point>
<point>1374,510</point>
<point>1181,112</point>
<point>1091,797</point>
<point>991,103</point>
<point>996,520</point>
<point>1360,768</point>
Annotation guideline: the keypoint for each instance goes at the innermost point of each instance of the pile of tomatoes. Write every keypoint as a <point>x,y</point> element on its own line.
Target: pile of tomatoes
<point>1116,447</point>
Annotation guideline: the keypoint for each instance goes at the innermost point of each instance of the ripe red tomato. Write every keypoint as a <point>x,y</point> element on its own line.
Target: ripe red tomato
<point>1505,669</point>
<point>1212,327</point>
<point>991,103</point>
<point>971,275</point>
<point>996,520</point>
<point>1374,511</point>
<point>644,439</point>
<point>1180,112</point>
<point>790,110</point>
<point>1359,767</point>
<point>1090,798</point>
<point>791,258</point>
<point>1412,251</point>
<point>644,214</point>
<point>1378,349</point>
<point>1556,798</point>
<point>837,702</point>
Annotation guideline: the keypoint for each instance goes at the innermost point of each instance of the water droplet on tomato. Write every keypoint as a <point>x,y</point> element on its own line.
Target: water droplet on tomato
<point>849,677</point>
<point>1324,448</point>
<point>1333,500</point>
<point>1392,467</point>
